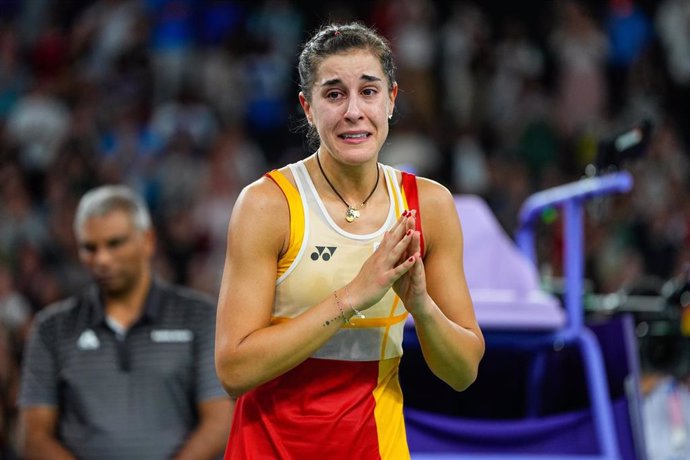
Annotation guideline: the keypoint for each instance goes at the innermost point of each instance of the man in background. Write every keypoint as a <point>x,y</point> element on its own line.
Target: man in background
<point>124,369</point>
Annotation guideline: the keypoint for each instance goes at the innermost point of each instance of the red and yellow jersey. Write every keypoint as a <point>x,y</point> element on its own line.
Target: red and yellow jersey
<point>345,401</point>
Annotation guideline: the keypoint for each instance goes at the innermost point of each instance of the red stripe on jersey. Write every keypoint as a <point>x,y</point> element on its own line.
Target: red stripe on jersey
<point>409,185</point>
<point>320,409</point>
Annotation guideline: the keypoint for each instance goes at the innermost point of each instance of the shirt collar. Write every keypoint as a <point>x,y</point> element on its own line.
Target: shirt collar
<point>94,299</point>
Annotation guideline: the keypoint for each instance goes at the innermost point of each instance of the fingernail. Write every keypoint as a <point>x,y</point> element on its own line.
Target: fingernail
<point>405,213</point>
<point>411,259</point>
<point>409,232</point>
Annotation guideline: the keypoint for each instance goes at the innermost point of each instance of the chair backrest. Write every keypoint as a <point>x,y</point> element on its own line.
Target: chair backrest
<point>503,282</point>
<point>491,258</point>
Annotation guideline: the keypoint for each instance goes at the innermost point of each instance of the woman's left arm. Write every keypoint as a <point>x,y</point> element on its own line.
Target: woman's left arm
<point>435,292</point>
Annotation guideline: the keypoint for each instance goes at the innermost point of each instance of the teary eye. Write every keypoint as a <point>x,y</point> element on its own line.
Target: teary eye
<point>333,95</point>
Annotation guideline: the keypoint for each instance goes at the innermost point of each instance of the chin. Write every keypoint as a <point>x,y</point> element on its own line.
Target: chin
<point>358,155</point>
<point>113,289</point>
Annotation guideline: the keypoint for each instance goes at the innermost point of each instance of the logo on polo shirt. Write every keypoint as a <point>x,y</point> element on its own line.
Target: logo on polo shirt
<point>171,335</point>
<point>88,340</point>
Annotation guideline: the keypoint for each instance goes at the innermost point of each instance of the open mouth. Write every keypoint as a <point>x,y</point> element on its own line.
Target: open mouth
<point>354,136</point>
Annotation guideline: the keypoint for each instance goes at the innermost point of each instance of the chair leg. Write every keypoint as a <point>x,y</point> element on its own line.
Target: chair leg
<point>535,385</point>
<point>600,399</point>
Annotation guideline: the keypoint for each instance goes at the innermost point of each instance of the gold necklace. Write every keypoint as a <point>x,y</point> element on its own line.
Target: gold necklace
<point>352,212</point>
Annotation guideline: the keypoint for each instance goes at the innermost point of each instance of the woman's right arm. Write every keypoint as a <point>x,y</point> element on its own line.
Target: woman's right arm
<point>249,350</point>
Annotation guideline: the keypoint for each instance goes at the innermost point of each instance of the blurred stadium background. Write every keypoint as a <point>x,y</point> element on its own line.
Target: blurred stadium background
<point>187,101</point>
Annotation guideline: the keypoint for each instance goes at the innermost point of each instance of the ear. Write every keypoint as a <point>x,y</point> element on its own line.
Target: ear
<point>392,96</point>
<point>306,106</point>
<point>149,237</point>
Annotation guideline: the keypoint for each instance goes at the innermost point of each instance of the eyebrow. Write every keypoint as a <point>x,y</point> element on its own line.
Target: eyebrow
<point>114,241</point>
<point>336,81</point>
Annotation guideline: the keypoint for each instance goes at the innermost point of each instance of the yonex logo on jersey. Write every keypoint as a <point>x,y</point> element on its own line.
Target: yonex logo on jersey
<point>323,252</point>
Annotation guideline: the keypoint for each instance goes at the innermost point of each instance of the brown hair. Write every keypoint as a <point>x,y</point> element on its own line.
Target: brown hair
<point>339,38</point>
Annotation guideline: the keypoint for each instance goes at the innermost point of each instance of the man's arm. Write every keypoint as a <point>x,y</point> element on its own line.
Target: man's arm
<point>208,440</point>
<point>214,408</point>
<point>38,441</point>
<point>38,395</point>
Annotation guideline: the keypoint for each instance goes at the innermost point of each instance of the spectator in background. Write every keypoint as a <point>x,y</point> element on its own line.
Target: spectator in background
<point>173,38</point>
<point>125,369</point>
<point>673,27</point>
<point>629,32</point>
<point>37,125</point>
<point>580,47</point>
<point>15,315</point>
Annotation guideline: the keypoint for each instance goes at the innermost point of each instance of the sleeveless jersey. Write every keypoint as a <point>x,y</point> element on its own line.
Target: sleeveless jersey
<point>345,401</point>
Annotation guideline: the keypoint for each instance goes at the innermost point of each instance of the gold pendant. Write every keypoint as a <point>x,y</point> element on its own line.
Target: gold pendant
<point>351,214</point>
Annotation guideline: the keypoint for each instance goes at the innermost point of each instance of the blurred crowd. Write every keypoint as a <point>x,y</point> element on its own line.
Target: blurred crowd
<point>187,101</point>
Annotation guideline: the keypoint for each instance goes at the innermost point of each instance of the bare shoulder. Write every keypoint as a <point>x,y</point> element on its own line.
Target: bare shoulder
<point>262,195</point>
<point>436,202</point>
<point>440,222</point>
<point>261,212</point>
<point>434,196</point>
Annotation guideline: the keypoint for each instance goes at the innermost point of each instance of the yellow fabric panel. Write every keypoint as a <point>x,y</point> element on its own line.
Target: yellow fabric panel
<point>404,198</point>
<point>398,194</point>
<point>390,424</point>
<point>296,220</point>
<point>384,341</point>
<point>359,323</point>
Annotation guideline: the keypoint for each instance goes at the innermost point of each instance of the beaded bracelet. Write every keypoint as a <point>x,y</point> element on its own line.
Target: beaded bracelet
<point>358,314</point>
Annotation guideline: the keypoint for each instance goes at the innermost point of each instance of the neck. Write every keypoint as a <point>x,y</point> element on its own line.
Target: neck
<point>126,307</point>
<point>354,184</point>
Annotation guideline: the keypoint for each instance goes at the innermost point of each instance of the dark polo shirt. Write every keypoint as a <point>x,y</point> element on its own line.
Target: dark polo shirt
<point>132,397</point>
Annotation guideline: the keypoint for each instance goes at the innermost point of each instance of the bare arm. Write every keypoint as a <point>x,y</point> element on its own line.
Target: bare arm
<point>209,438</point>
<point>436,294</point>
<point>38,426</point>
<point>251,351</point>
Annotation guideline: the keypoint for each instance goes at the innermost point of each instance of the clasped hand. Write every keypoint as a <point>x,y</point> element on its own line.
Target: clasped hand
<point>396,263</point>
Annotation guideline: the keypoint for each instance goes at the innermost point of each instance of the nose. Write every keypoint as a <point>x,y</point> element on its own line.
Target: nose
<point>101,257</point>
<point>354,112</point>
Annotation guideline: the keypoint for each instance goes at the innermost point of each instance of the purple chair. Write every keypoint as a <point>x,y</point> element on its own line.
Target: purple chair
<point>515,313</point>
<point>500,276</point>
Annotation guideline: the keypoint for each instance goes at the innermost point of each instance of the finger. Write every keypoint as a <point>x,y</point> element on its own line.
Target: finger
<point>401,248</point>
<point>404,267</point>
<point>418,267</point>
<point>396,232</point>
<point>398,223</point>
<point>416,244</point>
<point>411,221</point>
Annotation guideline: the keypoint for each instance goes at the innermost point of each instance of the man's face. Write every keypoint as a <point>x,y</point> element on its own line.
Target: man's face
<point>115,252</point>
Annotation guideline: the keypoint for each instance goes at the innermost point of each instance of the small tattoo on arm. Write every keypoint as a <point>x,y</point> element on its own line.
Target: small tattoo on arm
<point>330,321</point>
